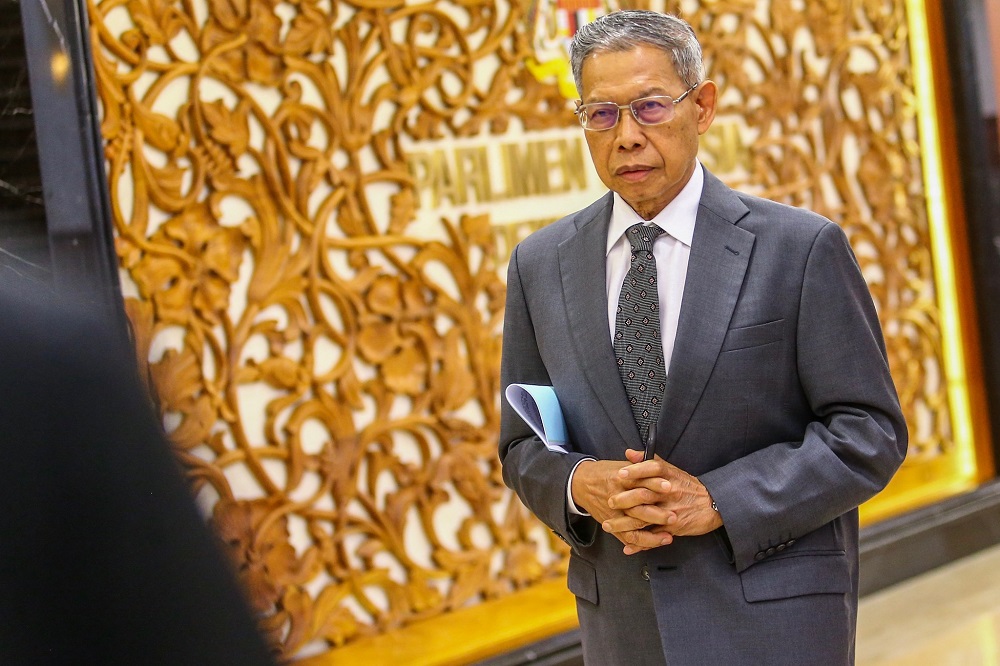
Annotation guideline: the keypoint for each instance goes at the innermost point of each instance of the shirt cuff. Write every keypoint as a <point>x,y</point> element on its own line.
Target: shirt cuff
<point>574,510</point>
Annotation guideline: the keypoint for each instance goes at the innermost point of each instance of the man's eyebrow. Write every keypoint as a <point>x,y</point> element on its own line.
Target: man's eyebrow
<point>652,91</point>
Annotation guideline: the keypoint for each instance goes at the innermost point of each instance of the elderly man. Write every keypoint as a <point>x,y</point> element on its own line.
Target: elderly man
<point>722,374</point>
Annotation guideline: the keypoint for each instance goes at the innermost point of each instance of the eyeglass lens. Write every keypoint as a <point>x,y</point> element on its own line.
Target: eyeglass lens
<point>648,111</point>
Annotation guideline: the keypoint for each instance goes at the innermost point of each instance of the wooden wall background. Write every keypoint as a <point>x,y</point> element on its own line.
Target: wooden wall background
<point>327,359</point>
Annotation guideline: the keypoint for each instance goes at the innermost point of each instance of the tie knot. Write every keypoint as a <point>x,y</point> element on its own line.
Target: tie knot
<point>641,236</point>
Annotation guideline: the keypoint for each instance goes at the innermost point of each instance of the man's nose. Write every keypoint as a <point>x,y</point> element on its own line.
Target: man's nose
<point>629,133</point>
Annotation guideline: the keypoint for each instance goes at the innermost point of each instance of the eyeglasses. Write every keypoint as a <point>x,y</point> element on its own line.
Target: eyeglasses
<point>654,110</point>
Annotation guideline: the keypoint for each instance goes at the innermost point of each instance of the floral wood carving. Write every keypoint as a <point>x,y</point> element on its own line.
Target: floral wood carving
<point>329,375</point>
<point>327,367</point>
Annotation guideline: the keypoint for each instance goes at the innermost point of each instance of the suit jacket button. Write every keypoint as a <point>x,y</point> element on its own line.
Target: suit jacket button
<point>780,547</point>
<point>790,542</point>
<point>759,556</point>
<point>770,551</point>
<point>644,572</point>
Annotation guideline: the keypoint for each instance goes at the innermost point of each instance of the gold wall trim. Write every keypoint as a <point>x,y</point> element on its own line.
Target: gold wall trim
<point>465,636</point>
<point>969,462</point>
<point>938,207</point>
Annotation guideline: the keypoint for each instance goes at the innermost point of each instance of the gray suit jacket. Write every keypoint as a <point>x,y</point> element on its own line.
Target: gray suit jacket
<point>778,398</point>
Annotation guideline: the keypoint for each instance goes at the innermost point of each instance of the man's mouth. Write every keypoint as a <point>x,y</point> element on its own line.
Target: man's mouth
<point>632,171</point>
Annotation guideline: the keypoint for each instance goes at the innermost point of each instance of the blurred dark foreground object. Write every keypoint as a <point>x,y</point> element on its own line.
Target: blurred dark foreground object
<point>104,558</point>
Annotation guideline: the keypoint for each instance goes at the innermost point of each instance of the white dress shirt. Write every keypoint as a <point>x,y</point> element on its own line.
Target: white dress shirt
<point>671,251</point>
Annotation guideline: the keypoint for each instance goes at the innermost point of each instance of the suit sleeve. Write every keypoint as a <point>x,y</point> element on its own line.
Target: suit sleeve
<point>858,438</point>
<point>538,476</point>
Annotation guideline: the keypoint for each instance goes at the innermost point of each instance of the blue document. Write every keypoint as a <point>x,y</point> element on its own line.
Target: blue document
<point>540,409</point>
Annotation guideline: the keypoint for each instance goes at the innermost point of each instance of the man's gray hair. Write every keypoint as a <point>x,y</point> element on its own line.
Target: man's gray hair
<point>629,29</point>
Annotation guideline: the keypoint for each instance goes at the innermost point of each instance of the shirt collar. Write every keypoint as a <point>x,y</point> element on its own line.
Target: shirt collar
<point>677,218</point>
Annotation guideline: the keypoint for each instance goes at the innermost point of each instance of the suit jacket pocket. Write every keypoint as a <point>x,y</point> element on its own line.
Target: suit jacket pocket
<point>753,336</point>
<point>581,579</point>
<point>816,572</point>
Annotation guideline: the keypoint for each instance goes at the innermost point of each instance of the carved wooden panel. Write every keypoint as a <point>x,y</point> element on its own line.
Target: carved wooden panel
<point>328,373</point>
<point>326,354</point>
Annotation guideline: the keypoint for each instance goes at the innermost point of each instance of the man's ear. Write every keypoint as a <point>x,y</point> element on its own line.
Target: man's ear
<point>706,97</point>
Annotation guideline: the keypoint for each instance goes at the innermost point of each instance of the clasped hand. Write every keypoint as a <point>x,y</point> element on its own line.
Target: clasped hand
<point>644,504</point>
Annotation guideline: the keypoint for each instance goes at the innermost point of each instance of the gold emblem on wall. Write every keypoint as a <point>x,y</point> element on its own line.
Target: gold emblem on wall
<point>312,215</point>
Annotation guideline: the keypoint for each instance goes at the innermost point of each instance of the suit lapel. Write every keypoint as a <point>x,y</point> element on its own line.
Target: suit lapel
<point>582,259</point>
<point>720,253</point>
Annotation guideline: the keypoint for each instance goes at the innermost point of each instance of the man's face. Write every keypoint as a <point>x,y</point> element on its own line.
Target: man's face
<point>648,165</point>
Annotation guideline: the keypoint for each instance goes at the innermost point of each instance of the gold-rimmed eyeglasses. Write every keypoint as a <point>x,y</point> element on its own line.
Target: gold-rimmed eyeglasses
<point>654,110</point>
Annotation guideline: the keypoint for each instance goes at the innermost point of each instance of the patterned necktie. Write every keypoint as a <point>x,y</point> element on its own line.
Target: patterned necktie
<point>638,349</point>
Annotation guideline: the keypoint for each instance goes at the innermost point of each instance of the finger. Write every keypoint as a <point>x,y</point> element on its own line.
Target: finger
<point>634,456</point>
<point>622,524</point>
<point>644,539</point>
<point>637,456</point>
<point>661,537</point>
<point>647,469</point>
<point>643,494</point>
<point>640,540</point>
<point>655,484</point>
<point>661,531</point>
<point>653,514</point>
